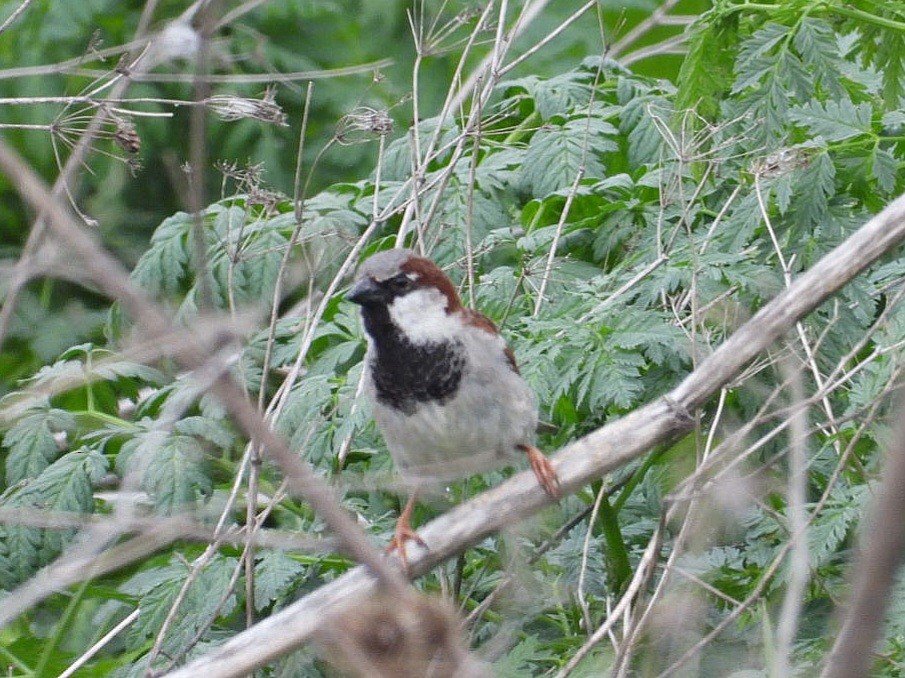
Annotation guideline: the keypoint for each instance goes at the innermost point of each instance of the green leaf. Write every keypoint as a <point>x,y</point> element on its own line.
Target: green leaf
<point>645,141</point>
<point>813,187</point>
<point>834,523</point>
<point>207,599</point>
<point>816,43</point>
<point>557,152</point>
<point>274,572</point>
<point>833,120</point>
<point>890,63</point>
<point>216,431</point>
<point>706,71</point>
<point>885,168</point>
<point>782,189</point>
<point>397,159</point>
<point>171,467</point>
<point>102,363</point>
<point>610,379</point>
<point>246,271</point>
<point>304,412</point>
<point>66,486</point>
<point>558,95</point>
<point>461,208</point>
<point>31,443</point>
<point>752,63</point>
<point>163,268</point>
<point>498,171</point>
<point>521,660</point>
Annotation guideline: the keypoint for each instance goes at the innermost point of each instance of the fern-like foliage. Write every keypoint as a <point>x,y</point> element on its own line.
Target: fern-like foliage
<point>31,443</point>
<point>617,227</point>
<point>65,486</point>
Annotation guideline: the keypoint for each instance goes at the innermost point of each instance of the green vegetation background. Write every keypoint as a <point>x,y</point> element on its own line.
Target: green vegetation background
<point>675,194</point>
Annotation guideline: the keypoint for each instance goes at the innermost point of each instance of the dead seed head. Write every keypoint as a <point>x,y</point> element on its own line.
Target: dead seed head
<point>249,180</point>
<point>229,108</point>
<point>126,137</point>
<point>135,166</point>
<point>362,124</point>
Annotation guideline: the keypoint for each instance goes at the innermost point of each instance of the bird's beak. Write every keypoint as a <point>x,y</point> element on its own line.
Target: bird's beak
<point>365,291</point>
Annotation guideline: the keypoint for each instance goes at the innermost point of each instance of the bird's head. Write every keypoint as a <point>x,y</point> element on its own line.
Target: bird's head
<point>410,292</point>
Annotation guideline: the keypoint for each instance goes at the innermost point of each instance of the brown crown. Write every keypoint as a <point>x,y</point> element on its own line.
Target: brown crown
<point>429,274</point>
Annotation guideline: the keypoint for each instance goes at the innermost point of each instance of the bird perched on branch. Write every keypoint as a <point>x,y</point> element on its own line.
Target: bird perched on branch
<point>445,389</point>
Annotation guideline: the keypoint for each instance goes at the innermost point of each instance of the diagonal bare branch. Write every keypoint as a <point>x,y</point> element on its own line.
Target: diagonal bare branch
<point>110,276</point>
<point>579,463</point>
<point>875,570</point>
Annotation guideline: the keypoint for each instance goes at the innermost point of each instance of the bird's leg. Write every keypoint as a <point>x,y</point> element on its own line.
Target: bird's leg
<point>404,532</point>
<point>543,470</point>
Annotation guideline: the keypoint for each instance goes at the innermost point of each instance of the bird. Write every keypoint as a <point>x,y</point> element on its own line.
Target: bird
<point>444,387</point>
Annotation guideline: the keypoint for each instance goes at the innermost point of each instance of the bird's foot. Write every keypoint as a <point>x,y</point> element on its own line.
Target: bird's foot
<point>404,533</point>
<point>543,470</point>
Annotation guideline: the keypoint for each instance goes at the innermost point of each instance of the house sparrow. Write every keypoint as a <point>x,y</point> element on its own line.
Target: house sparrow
<point>445,389</point>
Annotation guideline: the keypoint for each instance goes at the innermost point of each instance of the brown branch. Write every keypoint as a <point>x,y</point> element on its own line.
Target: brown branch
<point>873,573</point>
<point>180,527</point>
<point>88,561</point>
<point>109,275</point>
<point>577,464</point>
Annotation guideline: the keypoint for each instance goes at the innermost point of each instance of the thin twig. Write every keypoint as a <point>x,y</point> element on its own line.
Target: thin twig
<point>570,197</point>
<point>254,453</point>
<point>15,15</point>
<point>236,78</point>
<point>765,578</point>
<point>99,645</point>
<point>796,514</point>
<point>552,35</point>
<point>799,327</point>
<point>585,550</point>
<point>642,572</point>
<point>654,20</point>
<point>551,255</point>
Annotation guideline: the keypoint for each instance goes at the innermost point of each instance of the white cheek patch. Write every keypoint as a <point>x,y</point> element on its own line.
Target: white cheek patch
<point>422,316</point>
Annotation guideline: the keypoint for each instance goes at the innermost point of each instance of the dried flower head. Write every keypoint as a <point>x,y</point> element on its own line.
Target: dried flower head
<point>126,136</point>
<point>229,107</point>
<point>249,180</point>
<point>362,124</point>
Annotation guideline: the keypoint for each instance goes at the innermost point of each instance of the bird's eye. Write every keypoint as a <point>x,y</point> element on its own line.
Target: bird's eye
<point>399,283</point>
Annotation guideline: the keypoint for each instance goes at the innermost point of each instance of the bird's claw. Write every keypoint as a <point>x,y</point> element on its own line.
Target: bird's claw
<point>543,470</point>
<point>404,533</point>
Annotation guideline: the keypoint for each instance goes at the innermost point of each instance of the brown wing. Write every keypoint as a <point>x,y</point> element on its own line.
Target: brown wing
<point>482,322</point>
<point>510,356</point>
